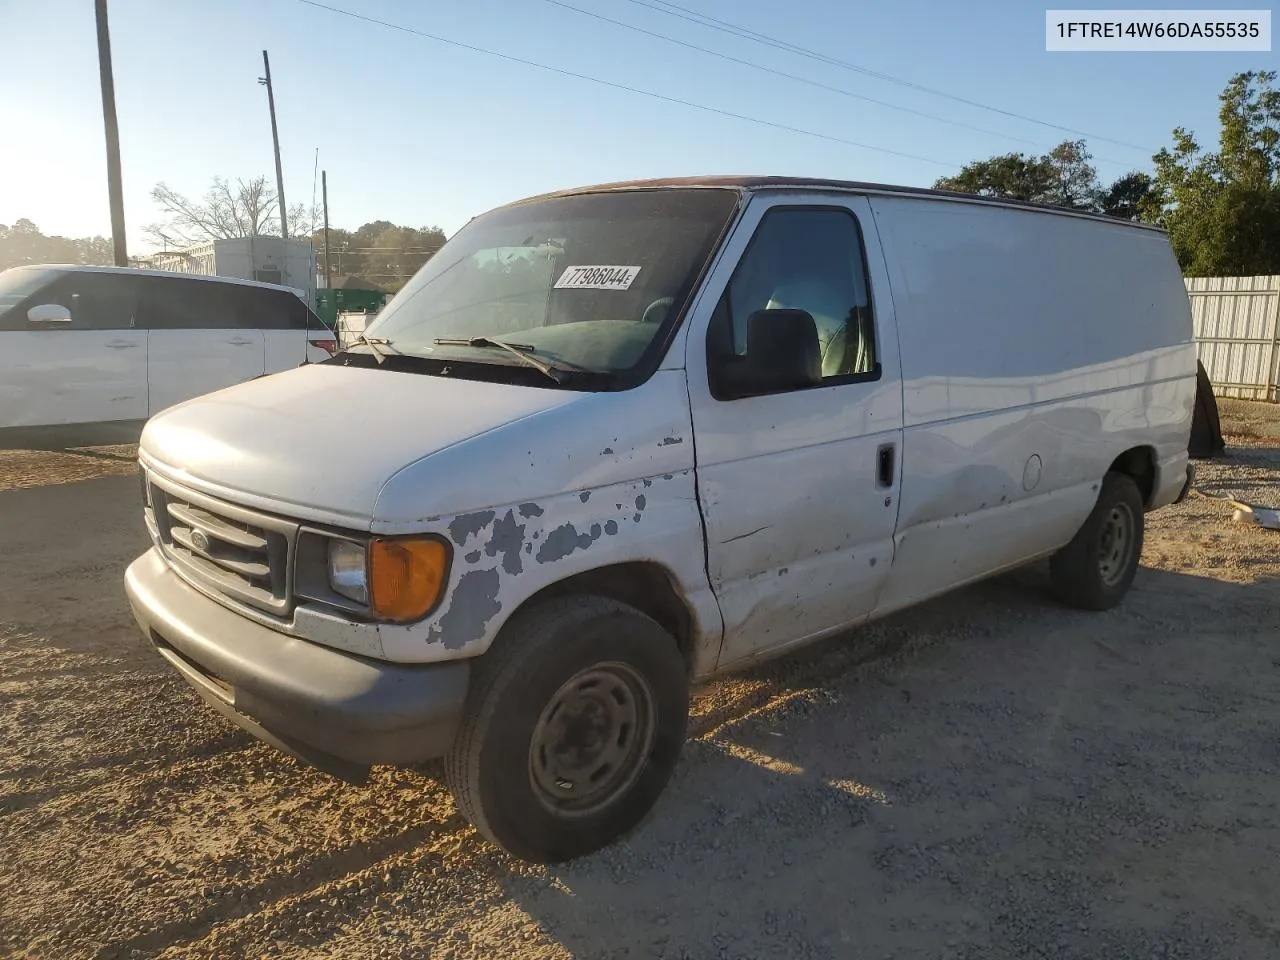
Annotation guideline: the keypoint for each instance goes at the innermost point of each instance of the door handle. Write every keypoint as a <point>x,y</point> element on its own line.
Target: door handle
<point>121,345</point>
<point>884,464</point>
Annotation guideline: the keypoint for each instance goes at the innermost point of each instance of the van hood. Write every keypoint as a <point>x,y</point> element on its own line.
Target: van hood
<point>320,441</point>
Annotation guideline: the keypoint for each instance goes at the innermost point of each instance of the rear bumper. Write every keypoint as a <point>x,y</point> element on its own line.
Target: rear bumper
<point>336,711</point>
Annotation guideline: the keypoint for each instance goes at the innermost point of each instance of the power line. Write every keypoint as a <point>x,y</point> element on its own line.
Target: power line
<point>788,76</point>
<point>629,89</point>
<point>684,13</point>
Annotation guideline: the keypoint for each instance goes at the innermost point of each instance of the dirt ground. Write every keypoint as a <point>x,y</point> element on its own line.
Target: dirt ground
<point>987,776</point>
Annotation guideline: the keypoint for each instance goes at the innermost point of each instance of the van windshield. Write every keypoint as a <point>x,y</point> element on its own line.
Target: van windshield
<point>585,284</point>
<point>19,283</point>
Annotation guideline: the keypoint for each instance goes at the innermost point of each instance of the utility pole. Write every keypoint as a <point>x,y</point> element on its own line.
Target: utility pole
<point>275,139</point>
<point>324,193</point>
<point>115,190</point>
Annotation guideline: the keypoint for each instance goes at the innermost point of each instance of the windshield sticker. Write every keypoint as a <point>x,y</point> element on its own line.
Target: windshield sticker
<point>597,278</point>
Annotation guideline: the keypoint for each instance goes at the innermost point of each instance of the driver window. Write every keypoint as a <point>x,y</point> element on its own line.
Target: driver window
<point>811,260</point>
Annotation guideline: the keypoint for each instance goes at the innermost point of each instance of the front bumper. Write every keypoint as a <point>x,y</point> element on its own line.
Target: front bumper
<point>337,711</point>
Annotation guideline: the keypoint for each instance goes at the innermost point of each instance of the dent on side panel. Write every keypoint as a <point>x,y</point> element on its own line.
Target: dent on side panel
<point>503,556</point>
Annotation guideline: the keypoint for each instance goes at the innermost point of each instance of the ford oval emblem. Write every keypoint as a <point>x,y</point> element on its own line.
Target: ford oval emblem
<point>199,540</point>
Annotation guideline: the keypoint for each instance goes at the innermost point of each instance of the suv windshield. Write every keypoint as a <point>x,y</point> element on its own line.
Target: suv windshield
<point>19,283</point>
<point>578,284</point>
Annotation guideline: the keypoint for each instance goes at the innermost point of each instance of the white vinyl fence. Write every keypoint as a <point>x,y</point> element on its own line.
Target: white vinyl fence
<point>1237,330</point>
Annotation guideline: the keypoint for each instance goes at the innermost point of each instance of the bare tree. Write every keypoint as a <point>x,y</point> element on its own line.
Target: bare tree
<point>246,208</point>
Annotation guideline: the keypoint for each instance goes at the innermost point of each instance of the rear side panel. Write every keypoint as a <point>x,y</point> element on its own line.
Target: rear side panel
<point>1036,348</point>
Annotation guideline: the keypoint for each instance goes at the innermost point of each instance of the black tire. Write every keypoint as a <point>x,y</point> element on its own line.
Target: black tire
<point>1095,570</point>
<point>607,654</point>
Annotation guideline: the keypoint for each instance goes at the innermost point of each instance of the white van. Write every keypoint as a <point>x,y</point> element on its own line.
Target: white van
<point>89,353</point>
<point>612,441</point>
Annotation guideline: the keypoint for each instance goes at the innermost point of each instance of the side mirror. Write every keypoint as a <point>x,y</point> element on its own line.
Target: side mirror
<point>49,313</point>
<point>782,354</point>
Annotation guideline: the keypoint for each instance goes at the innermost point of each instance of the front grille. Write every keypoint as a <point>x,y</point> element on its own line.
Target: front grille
<point>239,553</point>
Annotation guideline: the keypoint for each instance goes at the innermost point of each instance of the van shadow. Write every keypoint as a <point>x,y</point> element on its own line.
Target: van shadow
<point>1003,779</point>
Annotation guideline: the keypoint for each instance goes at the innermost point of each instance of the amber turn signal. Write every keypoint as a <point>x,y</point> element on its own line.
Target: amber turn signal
<point>406,577</point>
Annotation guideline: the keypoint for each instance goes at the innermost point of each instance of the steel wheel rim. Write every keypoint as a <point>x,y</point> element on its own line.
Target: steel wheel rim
<point>592,740</point>
<point>1115,544</point>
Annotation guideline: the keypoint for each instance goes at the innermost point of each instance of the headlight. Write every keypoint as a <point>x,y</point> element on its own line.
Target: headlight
<point>406,576</point>
<point>398,579</point>
<point>348,570</point>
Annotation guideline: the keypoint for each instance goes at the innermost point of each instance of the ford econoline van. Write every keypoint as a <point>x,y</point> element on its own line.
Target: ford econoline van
<point>612,441</point>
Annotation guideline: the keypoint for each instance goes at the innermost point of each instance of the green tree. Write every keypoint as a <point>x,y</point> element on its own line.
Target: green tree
<point>1126,197</point>
<point>1075,179</point>
<point>23,243</point>
<point>1063,177</point>
<point>1222,209</point>
<point>1015,176</point>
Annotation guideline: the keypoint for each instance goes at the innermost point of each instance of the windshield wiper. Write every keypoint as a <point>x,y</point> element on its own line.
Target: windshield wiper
<point>521,350</point>
<point>375,345</point>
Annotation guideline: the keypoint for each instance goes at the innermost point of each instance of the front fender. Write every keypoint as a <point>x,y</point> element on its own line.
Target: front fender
<point>505,555</point>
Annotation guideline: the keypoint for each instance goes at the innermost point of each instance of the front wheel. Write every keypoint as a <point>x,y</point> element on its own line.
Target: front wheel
<point>1095,570</point>
<point>573,727</point>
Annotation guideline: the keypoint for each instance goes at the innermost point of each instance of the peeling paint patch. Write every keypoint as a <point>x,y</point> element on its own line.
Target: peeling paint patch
<point>584,496</point>
<point>668,441</point>
<point>473,556</point>
<point>647,483</point>
<point>528,510</point>
<point>640,502</point>
<point>636,518</point>
<point>507,538</point>
<point>563,540</point>
<point>528,548</point>
<point>611,527</point>
<point>666,476</point>
<point>606,451</point>
<point>469,525</point>
<point>474,604</point>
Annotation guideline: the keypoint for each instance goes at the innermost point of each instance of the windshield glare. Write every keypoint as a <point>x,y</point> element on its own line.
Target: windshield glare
<point>584,282</point>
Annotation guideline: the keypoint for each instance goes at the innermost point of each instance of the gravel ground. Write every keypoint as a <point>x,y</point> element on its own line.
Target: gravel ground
<point>988,775</point>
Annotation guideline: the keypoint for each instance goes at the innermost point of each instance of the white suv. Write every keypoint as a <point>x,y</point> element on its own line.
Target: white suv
<point>89,353</point>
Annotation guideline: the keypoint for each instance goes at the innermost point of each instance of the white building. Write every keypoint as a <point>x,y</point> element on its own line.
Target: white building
<point>267,259</point>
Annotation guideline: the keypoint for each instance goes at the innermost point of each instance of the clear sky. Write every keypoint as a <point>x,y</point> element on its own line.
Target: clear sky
<point>423,133</point>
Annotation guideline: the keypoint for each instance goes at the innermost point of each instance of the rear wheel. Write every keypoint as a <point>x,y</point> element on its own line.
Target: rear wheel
<point>1095,570</point>
<point>573,727</point>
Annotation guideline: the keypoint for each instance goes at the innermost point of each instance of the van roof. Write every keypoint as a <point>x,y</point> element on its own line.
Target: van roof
<point>140,272</point>
<point>754,184</point>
